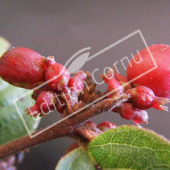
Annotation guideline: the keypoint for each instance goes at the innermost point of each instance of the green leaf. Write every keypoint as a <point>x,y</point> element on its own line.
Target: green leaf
<point>78,159</point>
<point>11,125</point>
<point>4,45</point>
<point>131,147</point>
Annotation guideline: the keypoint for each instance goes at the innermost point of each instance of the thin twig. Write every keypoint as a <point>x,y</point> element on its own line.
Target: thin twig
<point>64,128</point>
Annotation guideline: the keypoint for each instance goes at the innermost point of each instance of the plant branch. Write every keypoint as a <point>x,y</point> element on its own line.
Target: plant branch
<point>64,128</point>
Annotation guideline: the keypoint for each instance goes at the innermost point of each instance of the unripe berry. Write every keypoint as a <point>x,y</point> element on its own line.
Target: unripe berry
<point>57,75</point>
<point>45,102</point>
<point>143,98</point>
<point>22,67</point>
<point>158,79</point>
<point>104,126</point>
<point>76,83</point>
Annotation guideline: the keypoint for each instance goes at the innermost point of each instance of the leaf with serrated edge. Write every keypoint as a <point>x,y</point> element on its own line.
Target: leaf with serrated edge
<point>78,159</point>
<point>78,62</point>
<point>131,147</point>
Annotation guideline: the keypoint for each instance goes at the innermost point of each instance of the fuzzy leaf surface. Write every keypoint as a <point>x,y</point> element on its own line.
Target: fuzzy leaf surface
<point>11,126</point>
<point>132,148</point>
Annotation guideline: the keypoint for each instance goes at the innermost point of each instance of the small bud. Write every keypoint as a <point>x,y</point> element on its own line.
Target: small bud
<point>113,84</point>
<point>122,79</point>
<point>22,67</point>
<point>143,98</point>
<point>60,104</point>
<point>44,104</point>
<point>126,110</point>
<point>76,83</point>
<point>87,132</point>
<point>58,76</point>
<point>49,61</point>
<point>91,124</point>
<point>141,117</point>
<point>104,126</point>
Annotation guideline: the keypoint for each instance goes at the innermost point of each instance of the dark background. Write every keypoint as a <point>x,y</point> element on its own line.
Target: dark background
<point>61,28</point>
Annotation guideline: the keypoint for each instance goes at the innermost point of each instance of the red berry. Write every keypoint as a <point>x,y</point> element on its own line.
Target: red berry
<point>76,83</point>
<point>159,79</point>
<point>58,76</point>
<point>45,102</point>
<point>143,98</point>
<point>22,67</point>
<point>104,126</point>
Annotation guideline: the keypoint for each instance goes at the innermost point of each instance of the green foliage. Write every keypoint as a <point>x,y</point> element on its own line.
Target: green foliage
<point>11,126</point>
<point>78,159</point>
<point>131,147</point>
<point>125,147</point>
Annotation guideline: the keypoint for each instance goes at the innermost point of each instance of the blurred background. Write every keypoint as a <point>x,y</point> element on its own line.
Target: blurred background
<point>61,28</point>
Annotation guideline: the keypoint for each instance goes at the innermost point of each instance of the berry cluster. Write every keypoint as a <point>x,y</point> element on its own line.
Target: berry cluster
<point>141,98</point>
<point>26,68</point>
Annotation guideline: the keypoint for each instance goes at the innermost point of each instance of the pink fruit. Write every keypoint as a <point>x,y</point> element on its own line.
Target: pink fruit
<point>143,98</point>
<point>158,79</point>
<point>22,67</point>
<point>58,76</point>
